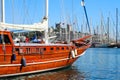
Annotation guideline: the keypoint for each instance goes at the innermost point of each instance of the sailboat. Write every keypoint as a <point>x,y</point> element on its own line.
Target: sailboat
<point>26,58</point>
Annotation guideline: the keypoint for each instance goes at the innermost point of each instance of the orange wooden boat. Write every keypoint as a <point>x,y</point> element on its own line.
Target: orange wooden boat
<point>25,58</point>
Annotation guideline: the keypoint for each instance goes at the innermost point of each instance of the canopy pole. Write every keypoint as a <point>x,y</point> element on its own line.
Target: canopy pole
<point>3,11</point>
<point>46,18</point>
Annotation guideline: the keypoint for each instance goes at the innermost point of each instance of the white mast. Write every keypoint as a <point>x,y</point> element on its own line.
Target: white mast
<point>2,11</point>
<point>42,26</point>
<point>46,18</point>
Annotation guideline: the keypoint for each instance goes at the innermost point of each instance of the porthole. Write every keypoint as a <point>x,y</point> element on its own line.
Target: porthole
<point>44,49</point>
<point>51,48</point>
<point>62,48</point>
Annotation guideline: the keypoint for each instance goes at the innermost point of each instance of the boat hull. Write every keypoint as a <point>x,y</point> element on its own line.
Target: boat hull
<point>15,69</point>
<point>25,58</point>
<point>38,64</point>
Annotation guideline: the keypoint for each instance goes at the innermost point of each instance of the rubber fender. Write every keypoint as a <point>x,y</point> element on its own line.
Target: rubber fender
<point>75,51</point>
<point>13,57</point>
<point>73,54</point>
<point>23,62</point>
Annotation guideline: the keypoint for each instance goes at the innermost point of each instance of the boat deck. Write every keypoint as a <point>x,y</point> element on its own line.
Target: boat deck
<point>38,44</point>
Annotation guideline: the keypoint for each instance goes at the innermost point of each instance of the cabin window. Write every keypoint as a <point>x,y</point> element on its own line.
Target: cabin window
<point>51,48</point>
<point>16,49</point>
<point>62,48</point>
<point>4,38</point>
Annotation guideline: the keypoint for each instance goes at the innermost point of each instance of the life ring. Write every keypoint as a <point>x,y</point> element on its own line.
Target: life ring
<point>75,51</point>
<point>73,54</point>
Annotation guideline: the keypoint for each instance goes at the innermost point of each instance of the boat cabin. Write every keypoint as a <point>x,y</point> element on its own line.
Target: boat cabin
<point>6,42</point>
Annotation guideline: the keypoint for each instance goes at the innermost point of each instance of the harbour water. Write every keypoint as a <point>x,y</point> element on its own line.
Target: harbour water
<point>95,64</point>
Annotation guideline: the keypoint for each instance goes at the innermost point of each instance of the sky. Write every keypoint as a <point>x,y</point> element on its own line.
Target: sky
<point>68,11</point>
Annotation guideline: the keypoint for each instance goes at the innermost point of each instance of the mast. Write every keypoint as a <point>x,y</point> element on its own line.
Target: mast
<point>46,18</point>
<point>83,4</point>
<point>3,21</point>
<point>108,30</point>
<point>116,25</point>
<point>2,11</point>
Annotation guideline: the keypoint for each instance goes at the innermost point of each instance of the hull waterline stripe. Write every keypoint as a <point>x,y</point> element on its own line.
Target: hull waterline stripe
<point>32,72</point>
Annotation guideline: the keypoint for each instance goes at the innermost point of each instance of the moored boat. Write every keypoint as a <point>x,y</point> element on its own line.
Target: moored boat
<point>25,58</point>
